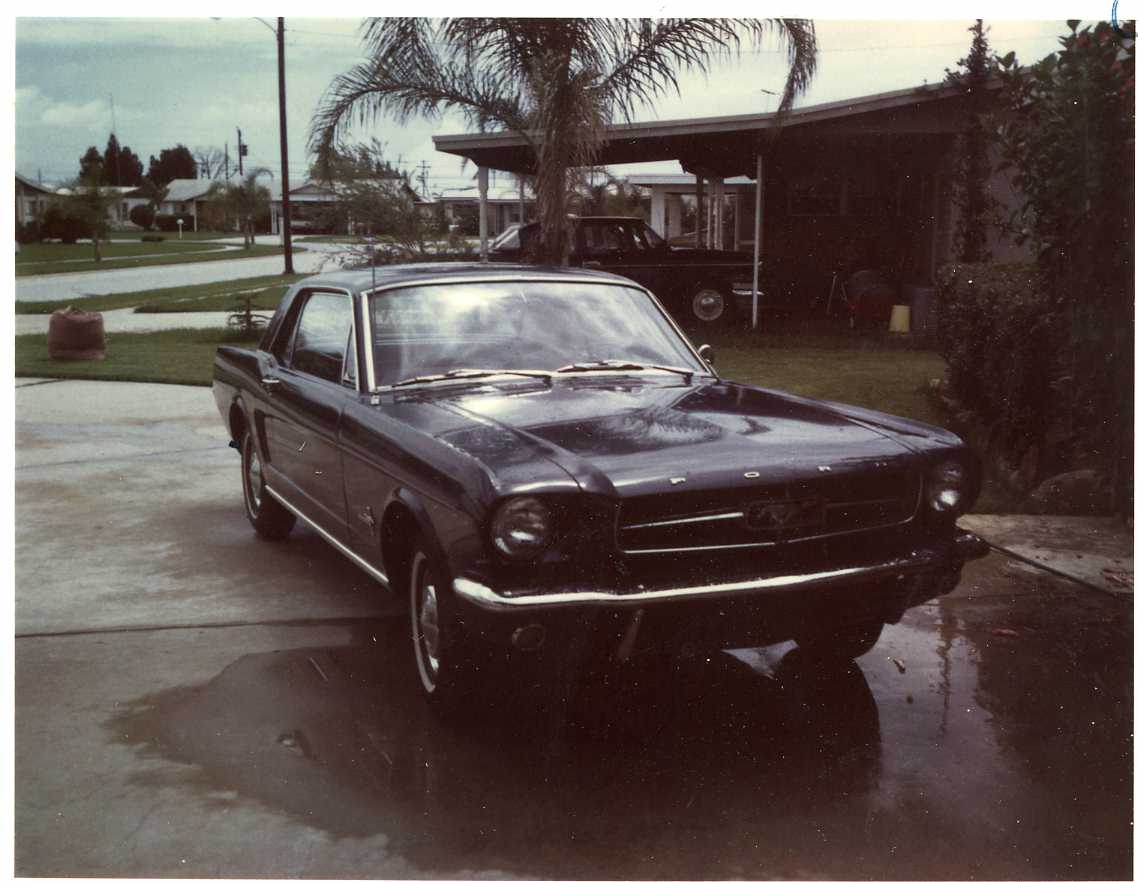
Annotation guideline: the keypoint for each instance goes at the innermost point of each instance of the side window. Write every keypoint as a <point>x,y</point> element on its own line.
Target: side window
<point>283,340</point>
<point>602,239</point>
<point>349,376</point>
<point>318,347</point>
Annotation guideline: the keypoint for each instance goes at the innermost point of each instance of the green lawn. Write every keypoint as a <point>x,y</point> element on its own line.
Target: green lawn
<point>52,252</point>
<point>182,356</point>
<point>160,254</point>
<point>265,290</point>
<point>187,235</point>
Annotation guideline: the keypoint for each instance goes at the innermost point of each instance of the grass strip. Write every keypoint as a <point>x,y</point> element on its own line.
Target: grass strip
<point>208,296</point>
<point>57,267</point>
<point>182,356</point>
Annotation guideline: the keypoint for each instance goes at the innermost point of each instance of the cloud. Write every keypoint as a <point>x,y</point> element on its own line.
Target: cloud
<point>33,107</point>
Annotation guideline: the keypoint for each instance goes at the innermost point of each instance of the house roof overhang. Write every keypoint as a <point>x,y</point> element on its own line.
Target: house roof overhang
<point>727,145</point>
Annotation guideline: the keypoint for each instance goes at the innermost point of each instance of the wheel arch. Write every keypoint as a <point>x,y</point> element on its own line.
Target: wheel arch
<point>404,518</point>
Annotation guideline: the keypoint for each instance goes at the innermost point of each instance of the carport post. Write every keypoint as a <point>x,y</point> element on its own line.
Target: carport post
<point>757,243</point>
<point>483,186</point>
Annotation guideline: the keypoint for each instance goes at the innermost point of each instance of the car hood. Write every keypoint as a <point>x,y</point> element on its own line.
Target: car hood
<point>631,436</point>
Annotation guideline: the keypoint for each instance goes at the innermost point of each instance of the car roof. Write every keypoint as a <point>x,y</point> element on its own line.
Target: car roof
<point>361,280</point>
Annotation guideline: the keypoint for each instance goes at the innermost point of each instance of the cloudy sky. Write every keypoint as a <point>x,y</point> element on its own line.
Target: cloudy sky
<point>196,81</point>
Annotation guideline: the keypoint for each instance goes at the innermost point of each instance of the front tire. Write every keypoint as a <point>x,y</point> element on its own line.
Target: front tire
<point>269,518</point>
<point>840,645</point>
<point>443,661</point>
<point>709,304</point>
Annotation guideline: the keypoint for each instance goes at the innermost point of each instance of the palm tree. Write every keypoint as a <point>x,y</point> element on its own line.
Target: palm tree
<point>244,200</point>
<point>154,194</point>
<point>556,82</point>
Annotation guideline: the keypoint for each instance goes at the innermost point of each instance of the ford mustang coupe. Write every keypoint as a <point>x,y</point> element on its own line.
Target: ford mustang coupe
<point>532,457</point>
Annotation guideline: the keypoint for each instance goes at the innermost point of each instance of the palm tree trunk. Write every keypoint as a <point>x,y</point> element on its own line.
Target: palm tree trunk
<point>98,250</point>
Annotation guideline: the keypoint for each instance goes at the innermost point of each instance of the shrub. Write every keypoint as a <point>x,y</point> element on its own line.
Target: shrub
<point>142,216</point>
<point>27,233</point>
<point>63,222</point>
<point>168,223</point>
<point>153,237</point>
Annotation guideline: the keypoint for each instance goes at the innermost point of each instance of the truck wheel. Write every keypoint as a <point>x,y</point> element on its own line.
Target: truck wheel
<point>269,518</point>
<point>709,304</point>
<point>444,663</point>
<point>840,645</point>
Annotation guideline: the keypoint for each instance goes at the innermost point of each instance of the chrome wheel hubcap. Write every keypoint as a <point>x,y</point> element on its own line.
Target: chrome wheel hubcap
<point>708,305</point>
<point>425,623</point>
<point>254,480</point>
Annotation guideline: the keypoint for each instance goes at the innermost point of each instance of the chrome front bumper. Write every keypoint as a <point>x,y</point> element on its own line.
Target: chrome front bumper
<point>963,547</point>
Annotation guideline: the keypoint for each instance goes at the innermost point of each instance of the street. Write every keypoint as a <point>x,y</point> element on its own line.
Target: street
<point>316,257</point>
<point>191,701</point>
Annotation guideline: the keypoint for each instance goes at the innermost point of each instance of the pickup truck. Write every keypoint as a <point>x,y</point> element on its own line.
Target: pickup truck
<point>704,284</point>
<point>538,460</point>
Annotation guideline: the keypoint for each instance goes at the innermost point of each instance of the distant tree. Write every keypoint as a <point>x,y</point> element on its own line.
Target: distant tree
<point>121,166</point>
<point>565,78</point>
<point>245,201</point>
<point>374,196</point>
<point>90,162</point>
<point>975,207</point>
<point>171,163</point>
<point>91,202</point>
<point>154,194</point>
<point>209,161</point>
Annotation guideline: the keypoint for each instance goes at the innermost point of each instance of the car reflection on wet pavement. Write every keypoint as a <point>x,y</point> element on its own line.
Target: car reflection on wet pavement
<point>956,748</point>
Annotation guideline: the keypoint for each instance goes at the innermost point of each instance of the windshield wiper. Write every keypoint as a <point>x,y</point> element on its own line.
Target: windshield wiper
<point>613,364</point>
<point>471,374</point>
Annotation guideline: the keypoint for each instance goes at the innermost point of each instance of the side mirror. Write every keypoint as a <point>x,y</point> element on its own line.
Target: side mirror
<point>706,353</point>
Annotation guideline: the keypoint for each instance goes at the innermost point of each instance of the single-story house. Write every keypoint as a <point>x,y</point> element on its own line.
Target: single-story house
<point>32,199</point>
<point>309,200</point>
<point>504,206</point>
<point>859,183</point>
<point>185,196</point>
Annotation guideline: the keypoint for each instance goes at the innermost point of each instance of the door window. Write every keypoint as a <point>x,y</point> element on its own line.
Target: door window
<point>321,336</point>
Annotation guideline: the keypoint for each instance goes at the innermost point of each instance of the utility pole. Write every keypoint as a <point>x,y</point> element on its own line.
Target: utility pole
<point>423,177</point>
<point>241,150</point>
<point>286,236</point>
<point>227,162</point>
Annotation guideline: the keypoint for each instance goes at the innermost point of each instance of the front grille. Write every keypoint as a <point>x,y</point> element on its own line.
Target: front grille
<point>769,515</point>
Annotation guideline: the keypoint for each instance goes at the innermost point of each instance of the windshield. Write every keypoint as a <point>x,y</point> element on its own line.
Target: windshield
<point>535,326</point>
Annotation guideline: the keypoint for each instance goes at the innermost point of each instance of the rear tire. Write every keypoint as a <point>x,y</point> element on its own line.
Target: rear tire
<point>708,304</point>
<point>840,645</point>
<point>269,518</point>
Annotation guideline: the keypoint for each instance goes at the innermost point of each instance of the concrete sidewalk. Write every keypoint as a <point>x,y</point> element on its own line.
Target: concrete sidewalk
<point>59,286</point>
<point>119,321</point>
<point>1095,551</point>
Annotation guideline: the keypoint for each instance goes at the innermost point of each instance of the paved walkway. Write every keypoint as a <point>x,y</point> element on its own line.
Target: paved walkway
<point>58,286</point>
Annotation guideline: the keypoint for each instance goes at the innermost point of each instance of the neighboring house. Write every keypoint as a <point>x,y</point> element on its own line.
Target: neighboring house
<point>503,204</point>
<point>32,199</point>
<point>310,202</point>
<point>864,182</point>
<point>186,196</point>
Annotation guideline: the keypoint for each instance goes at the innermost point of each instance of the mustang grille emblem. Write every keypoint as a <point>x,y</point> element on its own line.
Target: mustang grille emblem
<point>790,514</point>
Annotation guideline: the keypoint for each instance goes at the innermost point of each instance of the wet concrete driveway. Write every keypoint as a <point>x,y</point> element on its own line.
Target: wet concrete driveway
<point>193,702</point>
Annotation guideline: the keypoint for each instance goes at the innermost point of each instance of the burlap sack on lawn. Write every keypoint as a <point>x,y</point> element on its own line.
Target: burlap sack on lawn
<point>76,335</point>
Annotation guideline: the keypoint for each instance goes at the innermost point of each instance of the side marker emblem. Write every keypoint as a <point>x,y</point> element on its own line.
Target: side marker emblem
<point>751,475</point>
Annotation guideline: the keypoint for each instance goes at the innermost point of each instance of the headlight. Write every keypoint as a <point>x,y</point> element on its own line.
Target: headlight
<point>521,528</point>
<point>946,486</point>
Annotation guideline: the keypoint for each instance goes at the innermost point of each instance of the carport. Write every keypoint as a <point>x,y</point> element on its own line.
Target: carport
<point>838,186</point>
